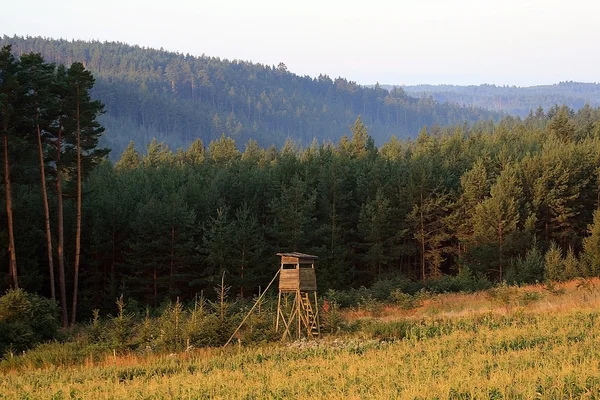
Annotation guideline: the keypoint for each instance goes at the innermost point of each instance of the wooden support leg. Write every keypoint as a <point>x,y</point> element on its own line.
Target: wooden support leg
<point>278,312</point>
<point>317,315</point>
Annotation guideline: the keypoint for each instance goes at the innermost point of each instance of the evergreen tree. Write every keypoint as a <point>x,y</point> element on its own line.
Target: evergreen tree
<point>130,158</point>
<point>9,97</point>
<point>292,215</point>
<point>376,226</point>
<point>428,219</point>
<point>223,151</point>
<point>591,247</point>
<point>195,153</point>
<point>554,264</point>
<point>571,265</point>
<point>496,220</point>
<point>83,115</point>
<point>37,77</point>
<point>248,246</point>
<point>216,245</point>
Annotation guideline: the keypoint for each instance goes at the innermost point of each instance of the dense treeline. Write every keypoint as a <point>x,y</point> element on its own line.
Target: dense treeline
<point>512,201</point>
<point>511,99</point>
<point>178,98</point>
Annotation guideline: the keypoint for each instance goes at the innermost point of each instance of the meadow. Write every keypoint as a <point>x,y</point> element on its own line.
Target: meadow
<point>504,343</point>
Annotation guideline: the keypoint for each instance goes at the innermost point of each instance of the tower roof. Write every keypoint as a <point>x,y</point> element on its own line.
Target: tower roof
<point>298,255</point>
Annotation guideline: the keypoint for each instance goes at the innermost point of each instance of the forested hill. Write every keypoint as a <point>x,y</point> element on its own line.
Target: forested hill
<point>176,98</point>
<point>511,99</point>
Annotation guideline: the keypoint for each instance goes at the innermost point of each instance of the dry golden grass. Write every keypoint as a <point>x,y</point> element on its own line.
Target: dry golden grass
<point>465,347</point>
<point>576,295</point>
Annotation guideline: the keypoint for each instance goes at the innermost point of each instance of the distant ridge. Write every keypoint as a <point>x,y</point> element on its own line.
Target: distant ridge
<point>511,99</point>
<point>178,98</point>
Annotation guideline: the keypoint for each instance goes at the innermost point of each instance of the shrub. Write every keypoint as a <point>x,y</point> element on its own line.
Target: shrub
<point>332,320</point>
<point>25,320</point>
<point>405,300</point>
<point>341,298</point>
<point>120,327</point>
<point>553,261</point>
<point>466,281</point>
<point>529,269</point>
<point>529,297</point>
<point>571,265</point>
<point>503,294</point>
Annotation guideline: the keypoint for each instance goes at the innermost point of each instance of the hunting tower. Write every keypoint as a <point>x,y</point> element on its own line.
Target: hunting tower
<point>297,305</point>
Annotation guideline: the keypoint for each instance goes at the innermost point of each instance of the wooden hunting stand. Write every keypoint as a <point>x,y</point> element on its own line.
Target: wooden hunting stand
<point>298,286</point>
<point>298,312</point>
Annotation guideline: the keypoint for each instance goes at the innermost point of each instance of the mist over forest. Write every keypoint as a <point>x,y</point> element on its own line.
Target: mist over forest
<point>513,100</point>
<point>177,98</point>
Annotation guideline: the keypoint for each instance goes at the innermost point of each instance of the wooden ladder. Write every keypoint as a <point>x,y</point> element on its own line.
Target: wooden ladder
<point>311,318</point>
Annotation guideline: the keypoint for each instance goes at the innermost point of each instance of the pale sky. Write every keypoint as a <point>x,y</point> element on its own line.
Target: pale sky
<point>513,42</point>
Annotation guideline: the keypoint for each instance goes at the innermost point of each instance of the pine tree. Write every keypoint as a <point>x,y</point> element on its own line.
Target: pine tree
<point>591,247</point>
<point>130,158</point>
<point>554,264</point>
<point>248,245</point>
<point>216,245</point>
<point>428,219</point>
<point>496,219</point>
<point>223,151</point>
<point>38,80</point>
<point>60,88</point>
<point>9,96</point>
<point>194,155</point>
<point>83,125</point>
<point>571,265</point>
<point>293,215</point>
<point>376,226</point>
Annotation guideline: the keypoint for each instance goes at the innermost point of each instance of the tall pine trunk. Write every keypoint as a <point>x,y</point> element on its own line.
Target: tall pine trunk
<point>172,260</point>
<point>61,236</point>
<point>46,214</point>
<point>422,238</point>
<point>78,217</point>
<point>9,213</point>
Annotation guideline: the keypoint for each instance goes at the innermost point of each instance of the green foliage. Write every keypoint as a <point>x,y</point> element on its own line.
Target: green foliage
<point>521,101</point>
<point>406,301</point>
<point>554,264</point>
<point>465,281</point>
<point>26,320</point>
<point>571,264</point>
<point>504,294</point>
<point>529,269</point>
<point>120,327</point>
<point>332,320</point>
<point>591,247</point>
<point>178,98</point>
<point>454,210</point>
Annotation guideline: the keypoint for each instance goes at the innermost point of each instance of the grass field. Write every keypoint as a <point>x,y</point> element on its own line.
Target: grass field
<point>509,344</point>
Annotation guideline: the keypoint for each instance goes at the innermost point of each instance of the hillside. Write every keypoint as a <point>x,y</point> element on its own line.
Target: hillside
<point>511,99</point>
<point>177,98</point>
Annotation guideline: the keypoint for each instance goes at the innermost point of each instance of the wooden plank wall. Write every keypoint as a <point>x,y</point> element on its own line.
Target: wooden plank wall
<point>289,279</point>
<point>308,279</point>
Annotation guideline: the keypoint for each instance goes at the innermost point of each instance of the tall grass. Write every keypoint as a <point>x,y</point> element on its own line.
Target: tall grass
<point>510,343</point>
<point>508,356</point>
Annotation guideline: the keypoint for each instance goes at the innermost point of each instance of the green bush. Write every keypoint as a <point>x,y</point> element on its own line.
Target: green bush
<point>466,281</point>
<point>332,320</point>
<point>342,298</point>
<point>405,300</point>
<point>25,320</point>
<point>503,294</point>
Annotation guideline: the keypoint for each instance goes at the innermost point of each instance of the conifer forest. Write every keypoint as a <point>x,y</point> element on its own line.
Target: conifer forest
<point>511,200</point>
<point>315,200</point>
